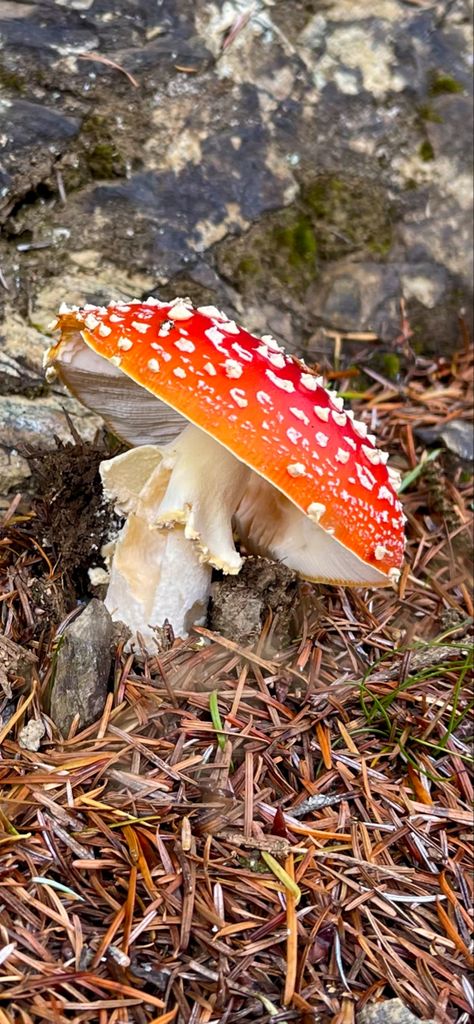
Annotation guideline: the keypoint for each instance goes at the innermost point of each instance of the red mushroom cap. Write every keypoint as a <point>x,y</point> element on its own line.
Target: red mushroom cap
<point>264,406</point>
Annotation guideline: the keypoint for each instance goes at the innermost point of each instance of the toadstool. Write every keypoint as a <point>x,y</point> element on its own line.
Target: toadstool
<point>234,436</point>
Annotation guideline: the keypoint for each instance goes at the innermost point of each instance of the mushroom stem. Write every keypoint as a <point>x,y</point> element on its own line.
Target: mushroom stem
<point>180,499</point>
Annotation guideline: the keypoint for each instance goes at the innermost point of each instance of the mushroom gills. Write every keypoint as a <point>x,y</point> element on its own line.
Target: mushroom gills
<point>269,524</point>
<point>131,412</point>
<point>180,500</point>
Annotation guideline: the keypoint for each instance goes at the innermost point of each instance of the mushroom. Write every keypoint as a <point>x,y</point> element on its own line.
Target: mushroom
<point>235,437</point>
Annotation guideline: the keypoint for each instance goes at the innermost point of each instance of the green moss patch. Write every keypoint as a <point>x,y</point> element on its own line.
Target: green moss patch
<point>332,217</point>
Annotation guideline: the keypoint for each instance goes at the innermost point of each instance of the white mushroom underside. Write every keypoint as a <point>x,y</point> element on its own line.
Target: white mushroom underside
<point>184,501</point>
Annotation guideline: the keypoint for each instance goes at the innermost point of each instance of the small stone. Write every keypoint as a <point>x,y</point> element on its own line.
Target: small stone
<point>390,1011</point>
<point>30,736</point>
<point>240,604</point>
<point>82,668</point>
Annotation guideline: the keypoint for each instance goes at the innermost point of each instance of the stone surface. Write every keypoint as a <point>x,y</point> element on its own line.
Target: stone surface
<point>240,604</point>
<point>30,736</point>
<point>390,1011</point>
<point>82,668</point>
<point>305,165</point>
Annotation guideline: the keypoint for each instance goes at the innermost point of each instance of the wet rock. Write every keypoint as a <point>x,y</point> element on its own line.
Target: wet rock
<point>240,604</point>
<point>82,668</point>
<point>391,1011</point>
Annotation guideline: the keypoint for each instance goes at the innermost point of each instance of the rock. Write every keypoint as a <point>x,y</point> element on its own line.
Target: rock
<point>457,435</point>
<point>240,604</point>
<point>391,1011</point>
<point>15,662</point>
<point>82,668</point>
<point>33,136</point>
<point>32,422</point>
<point>30,736</point>
<point>304,168</point>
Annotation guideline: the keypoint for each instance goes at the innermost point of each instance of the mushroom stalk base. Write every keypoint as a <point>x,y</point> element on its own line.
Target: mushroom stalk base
<point>180,499</point>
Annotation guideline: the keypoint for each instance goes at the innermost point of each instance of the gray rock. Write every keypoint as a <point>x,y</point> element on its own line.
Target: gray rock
<point>82,668</point>
<point>31,422</point>
<point>30,736</point>
<point>457,435</point>
<point>304,169</point>
<point>390,1011</point>
<point>240,604</point>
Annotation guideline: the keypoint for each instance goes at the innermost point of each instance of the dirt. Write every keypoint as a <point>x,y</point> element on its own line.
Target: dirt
<point>71,521</point>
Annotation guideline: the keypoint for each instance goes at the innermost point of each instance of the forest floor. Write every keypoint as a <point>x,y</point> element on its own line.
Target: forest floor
<point>248,833</point>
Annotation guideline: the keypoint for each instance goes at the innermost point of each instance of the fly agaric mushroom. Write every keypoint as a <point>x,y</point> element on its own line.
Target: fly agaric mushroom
<point>236,437</point>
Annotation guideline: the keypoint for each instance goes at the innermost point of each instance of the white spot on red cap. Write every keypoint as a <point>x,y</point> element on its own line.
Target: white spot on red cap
<point>316,510</point>
<point>269,340</point>
<point>153,365</point>
<point>336,400</point>
<point>212,311</point>
<point>104,330</point>
<point>296,469</point>
<point>264,399</point>
<point>114,319</point>
<point>116,360</point>
<point>139,326</point>
<point>300,415</point>
<point>342,455</point>
<point>322,412</point>
<point>394,476</point>
<point>233,369</point>
<point>293,435</point>
<point>310,381</point>
<point>276,359</point>
<point>216,337</point>
<point>185,345</point>
<point>229,326</point>
<point>380,552</point>
<point>322,439</point>
<point>210,369</point>
<point>179,372</point>
<point>340,418</point>
<point>238,396</point>
<point>350,441</point>
<point>91,322</point>
<point>371,454</point>
<point>280,382</point>
<point>242,352</point>
<point>125,344</point>
<point>179,311</point>
<point>366,478</point>
<point>360,428</point>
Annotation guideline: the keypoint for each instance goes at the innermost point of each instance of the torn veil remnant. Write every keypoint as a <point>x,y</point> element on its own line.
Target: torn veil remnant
<point>232,436</point>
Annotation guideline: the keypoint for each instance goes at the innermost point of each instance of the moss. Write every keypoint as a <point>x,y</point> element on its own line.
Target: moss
<point>11,80</point>
<point>425,113</point>
<point>440,84</point>
<point>348,214</point>
<point>331,218</point>
<point>390,365</point>
<point>426,151</point>
<point>299,240</point>
<point>103,158</point>
<point>248,266</point>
